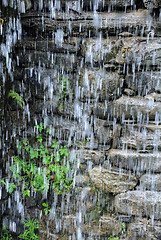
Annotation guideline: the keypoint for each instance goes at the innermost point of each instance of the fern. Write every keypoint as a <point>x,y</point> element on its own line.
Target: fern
<point>17,97</point>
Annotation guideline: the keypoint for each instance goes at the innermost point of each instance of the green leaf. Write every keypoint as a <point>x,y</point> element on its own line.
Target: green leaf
<point>26,192</point>
<point>17,97</point>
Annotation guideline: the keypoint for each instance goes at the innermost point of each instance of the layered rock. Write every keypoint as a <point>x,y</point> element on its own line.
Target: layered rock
<point>151,182</point>
<point>100,84</point>
<point>138,162</point>
<point>112,180</point>
<point>144,229</point>
<point>138,203</point>
<point>112,61</point>
<point>106,226</point>
<point>138,108</point>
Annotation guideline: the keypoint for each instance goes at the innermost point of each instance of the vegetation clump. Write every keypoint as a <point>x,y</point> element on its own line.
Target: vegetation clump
<point>16,97</point>
<point>39,165</point>
<point>30,227</point>
<point>4,235</point>
<point>64,92</point>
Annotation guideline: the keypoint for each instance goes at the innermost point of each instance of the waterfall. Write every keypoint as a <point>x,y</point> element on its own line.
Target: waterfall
<point>80,119</point>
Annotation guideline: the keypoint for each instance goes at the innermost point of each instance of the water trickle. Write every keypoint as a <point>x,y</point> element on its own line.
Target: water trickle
<point>90,72</point>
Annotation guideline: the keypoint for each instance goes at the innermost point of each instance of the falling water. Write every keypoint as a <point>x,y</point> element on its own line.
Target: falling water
<point>90,71</point>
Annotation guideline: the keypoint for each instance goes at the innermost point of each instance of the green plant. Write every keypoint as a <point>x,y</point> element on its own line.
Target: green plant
<point>64,91</point>
<point>113,238</point>
<point>9,186</point>
<point>30,227</point>
<point>17,97</point>
<point>44,165</point>
<point>123,231</point>
<point>123,227</point>
<point>4,234</point>
<point>46,208</point>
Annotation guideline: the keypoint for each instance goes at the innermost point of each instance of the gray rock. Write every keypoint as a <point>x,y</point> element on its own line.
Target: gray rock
<point>139,203</point>
<point>57,46</point>
<point>144,82</point>
<point>102,133</point>
<point>86,200</point>
<point>137,50</point>
<point>85,156</point>
<point>140,138</point>
<point>76,5</point>
<point>97,50</point>
<point>136,108</point>
<point>36,61</point>
<point>144,229</point>
<point>106,226</point>
<point>44,234</point>
<point>112,180</point>
<point>81,180</point>
<point>101,111</point>
<point>99,4</point>
<point>69,223</point>
<point>113,22</point>
<point>152,4</point>
<point>99,84</point>
<point>150,182</point>
<point>135,161</point>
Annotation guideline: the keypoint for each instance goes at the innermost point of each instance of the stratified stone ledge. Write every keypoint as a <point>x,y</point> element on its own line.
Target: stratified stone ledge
<point>113,180</point>
<point>139,203</point>
<point>138,162</point>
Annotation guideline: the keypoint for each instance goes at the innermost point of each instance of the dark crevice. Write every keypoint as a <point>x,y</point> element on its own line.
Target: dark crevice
<point>139,4</point>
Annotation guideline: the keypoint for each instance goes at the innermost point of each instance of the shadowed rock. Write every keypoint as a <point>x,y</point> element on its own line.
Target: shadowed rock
<point>73,23</point>
<point>144,82</point>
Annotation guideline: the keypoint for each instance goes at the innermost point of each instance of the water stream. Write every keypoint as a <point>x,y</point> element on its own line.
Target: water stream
<point>89,72</point>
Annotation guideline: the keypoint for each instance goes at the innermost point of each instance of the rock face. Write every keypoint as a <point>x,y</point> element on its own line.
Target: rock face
<point>140,52</point>
<point>141,137</point>
<point>151,182</point>
<point>147,204</point>
<point>100,84</point>
<point>144,82</point>
<point>107,111</point>
<point>143,229</point>
<point>112,180</point>
<point>152,3</point>
<point>106,225</point>
<point>138,162</point>
<point>136,107</point>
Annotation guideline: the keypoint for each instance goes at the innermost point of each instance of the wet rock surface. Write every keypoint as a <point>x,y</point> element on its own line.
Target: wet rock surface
<point>106,225</point>
<point>144,229</point>
<point>110,115</point>
<point>138,203</point>
<point>112,180</point>
<point>151,182</point>
<point>138,162</point>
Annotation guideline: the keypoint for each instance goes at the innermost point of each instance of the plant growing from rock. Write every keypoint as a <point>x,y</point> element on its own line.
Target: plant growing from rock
<point>46,208</point>
<point>64,91</point>
<point>30,227</point>
<point>4,234</point>
<point>37,168</point>
<point>16,97</point>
